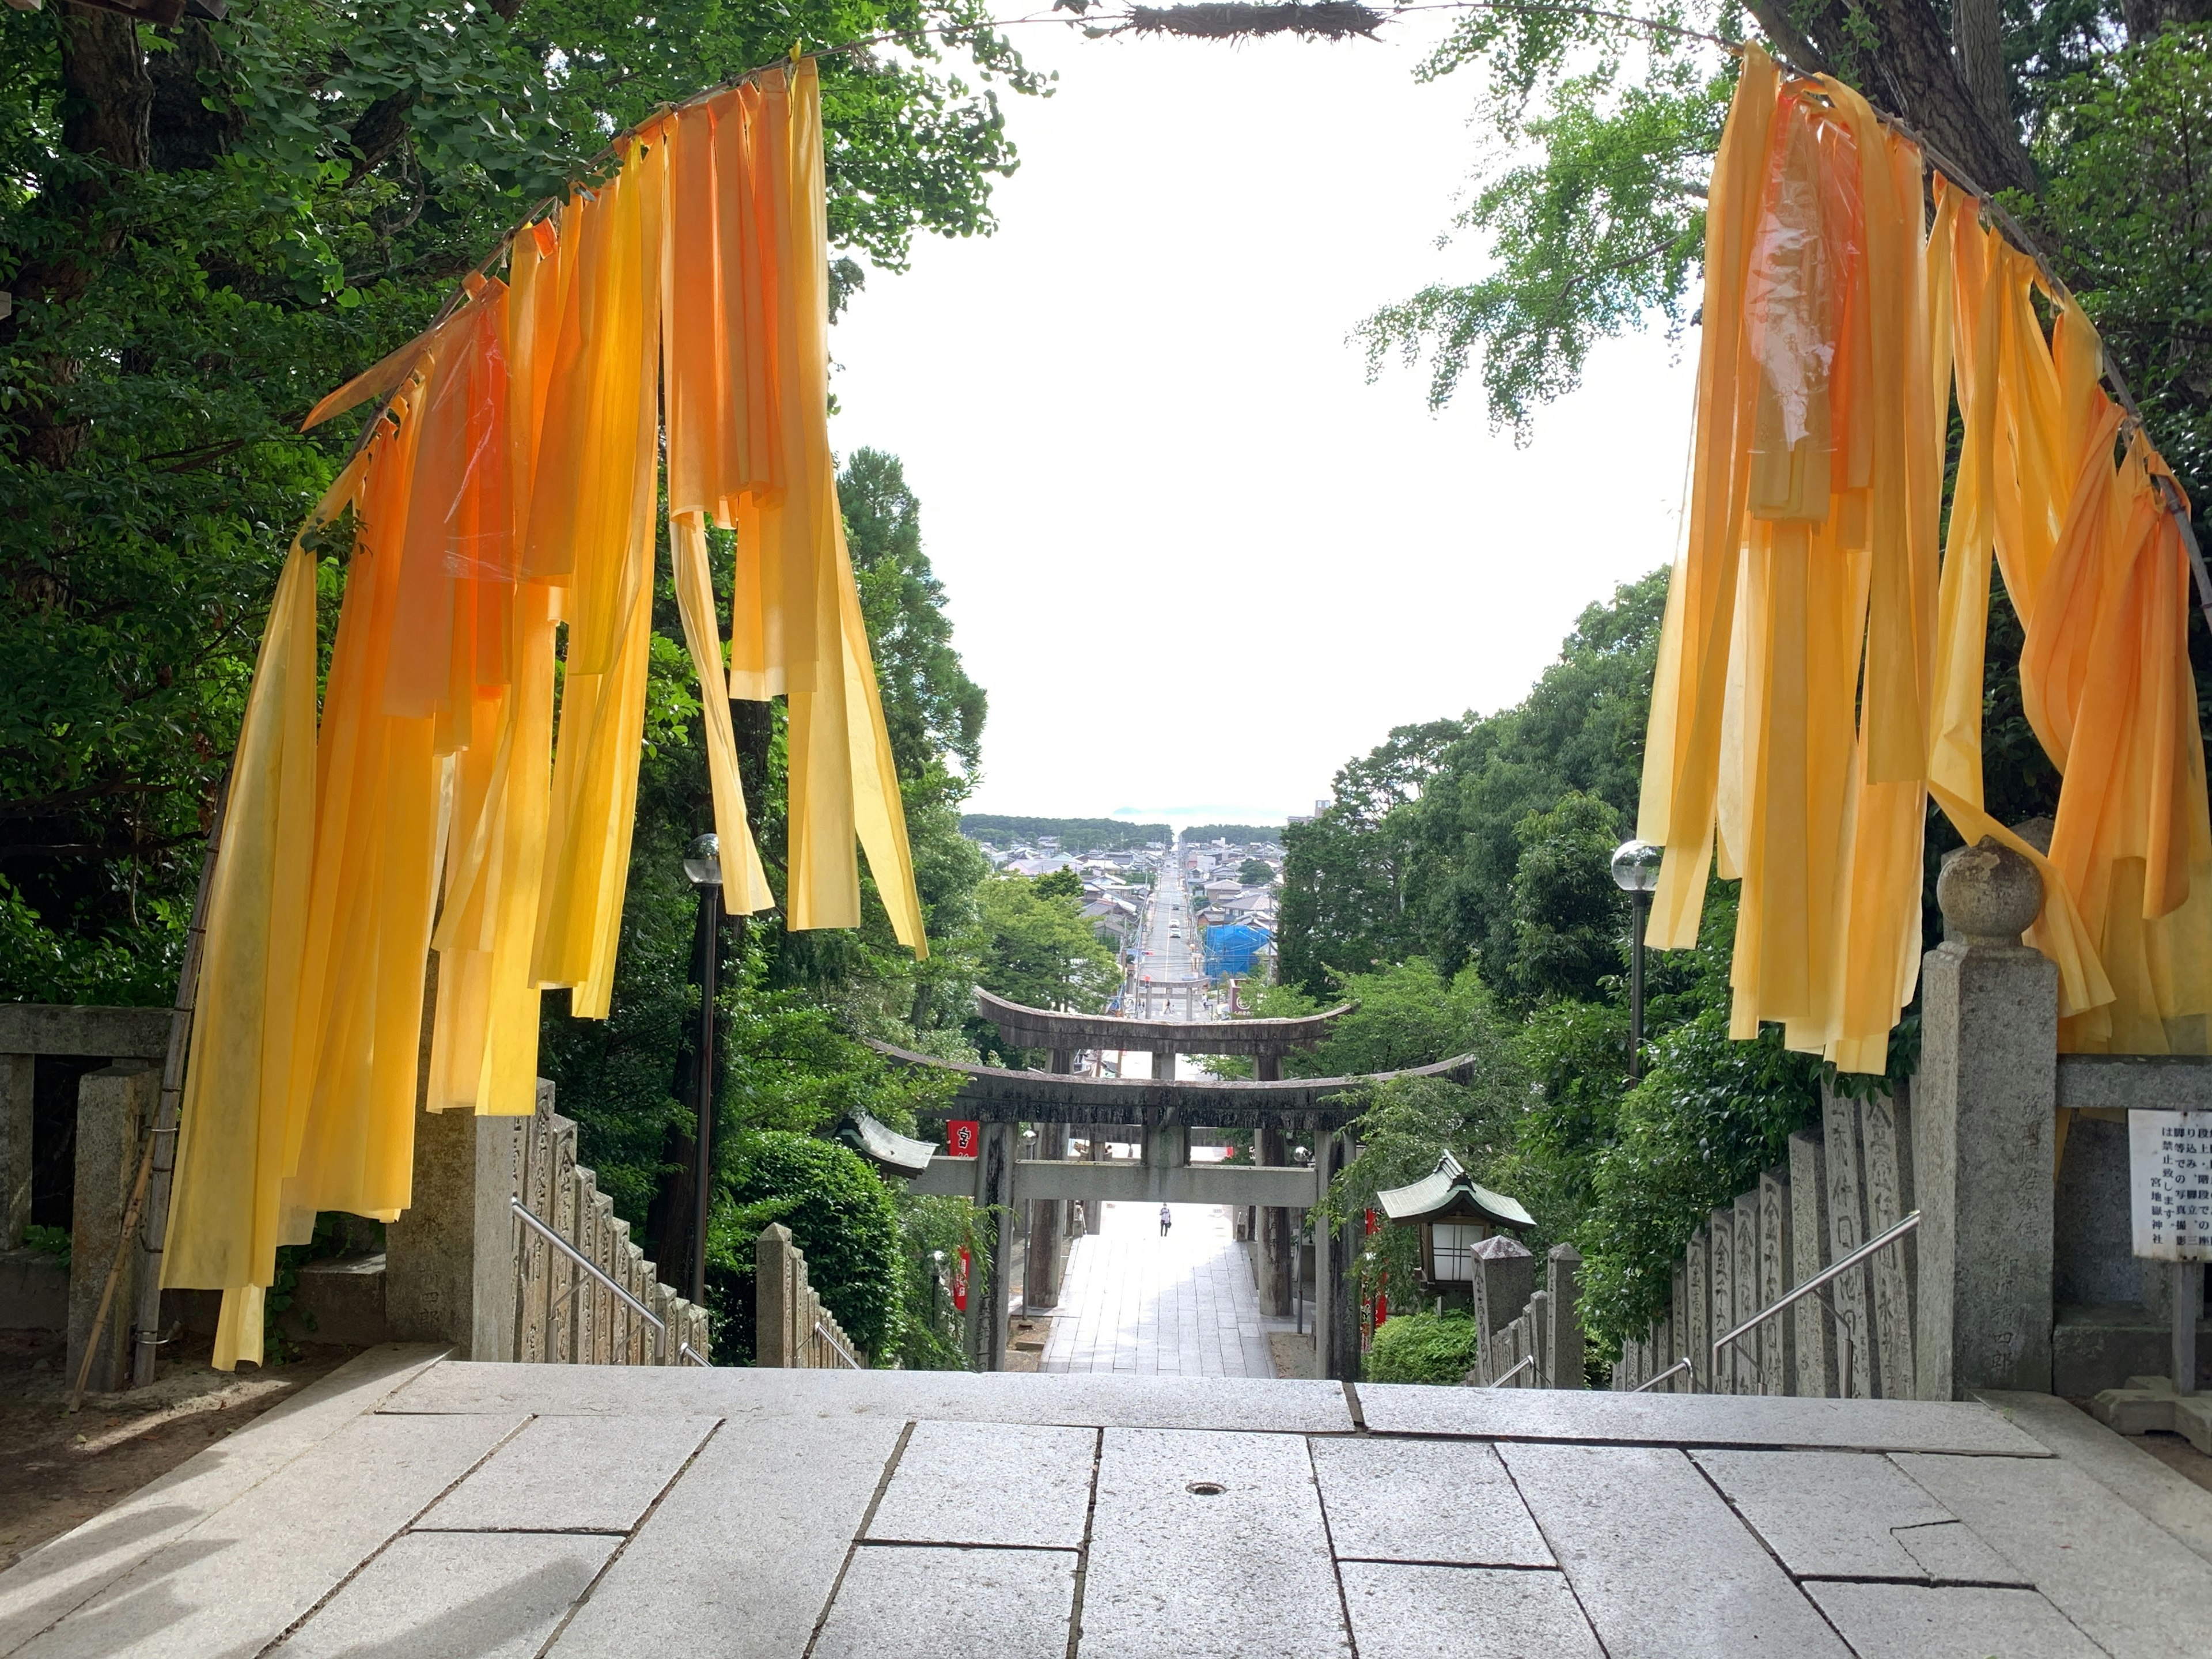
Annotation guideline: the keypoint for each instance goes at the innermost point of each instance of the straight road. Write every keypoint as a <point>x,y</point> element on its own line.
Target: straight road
<point>1132,1300</point>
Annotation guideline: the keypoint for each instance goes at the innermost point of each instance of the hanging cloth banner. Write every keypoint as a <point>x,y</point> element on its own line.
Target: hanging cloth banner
<point>445,806</point>
<point>1820,668</point>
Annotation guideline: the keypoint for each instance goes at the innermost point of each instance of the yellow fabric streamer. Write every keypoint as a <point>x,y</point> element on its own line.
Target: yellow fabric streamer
<point>1820,671</point>
<point>440,803</point>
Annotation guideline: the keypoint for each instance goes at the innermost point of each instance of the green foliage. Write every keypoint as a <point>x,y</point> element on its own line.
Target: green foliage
<point>1039,951</point>
<point>48,1241</point>
<point>929,1331</point>
<point>1422,1347</point>
<point>2125,212</point>
<point>1062,883</point>
<point>1255,872</point>
<point>1601,229</point>
<point>1567,914</point>
<point>1075,835</point>
<point>314,181</point>
<point>1421,848</point>
<point>841,1217</point>
<point>1707,1118</point>
<point>1409,1015</point>
<point>1346,902</point>
<point>934,710</point>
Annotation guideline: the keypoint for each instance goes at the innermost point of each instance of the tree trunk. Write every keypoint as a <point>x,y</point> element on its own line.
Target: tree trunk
<point>1975,38</point>
<point>1909,69</point>
<point>107,94</point>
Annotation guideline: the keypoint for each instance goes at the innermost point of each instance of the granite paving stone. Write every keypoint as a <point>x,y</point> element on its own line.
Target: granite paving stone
<point>738,1559</point>
<point>234,1584</point>
<point>1851,1515</point>
<point>1205,1542</point>
<point>1424,1500</point>
<point>989,1483</point>
<point>72,1569</point>
<point>2068,1534</point>
<point>743,1394</point>
<point>1692,1419</point>
<point>1660,1563</point>
<point>1185,1305</point>
<point>1208,1545</point>
<point>951,1604</point>
<point>436,1595</point>
<point>572,1474</point>
<point>2166,1497</point>
<point>1912,1621</point>
<point>1406,1612</point>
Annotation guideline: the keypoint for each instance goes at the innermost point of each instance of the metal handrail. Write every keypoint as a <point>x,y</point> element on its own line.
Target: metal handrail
<point>837,1347</point>
<point>1500,1382</point>
<point>658,1324</point>
<point>1809,1287</point>
<point>1679,1366</point>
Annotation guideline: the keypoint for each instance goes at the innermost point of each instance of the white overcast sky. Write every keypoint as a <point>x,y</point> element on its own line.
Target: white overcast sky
<point>1197,561</point>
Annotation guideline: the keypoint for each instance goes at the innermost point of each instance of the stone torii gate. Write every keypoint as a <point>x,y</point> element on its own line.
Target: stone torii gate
<point>1162,1113</point>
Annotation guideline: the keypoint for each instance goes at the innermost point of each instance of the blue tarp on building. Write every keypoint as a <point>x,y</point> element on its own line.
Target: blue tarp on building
<point>1230,948</point>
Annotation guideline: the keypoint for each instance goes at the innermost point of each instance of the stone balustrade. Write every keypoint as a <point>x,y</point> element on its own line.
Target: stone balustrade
<point>792,1328</point>
<point>564,1315</point>
<point>1846,1182</point>
<point>1530,1338</point>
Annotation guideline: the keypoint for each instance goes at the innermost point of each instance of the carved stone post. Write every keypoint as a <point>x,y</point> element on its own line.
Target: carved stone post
<point>1984,1122</point>
<point>115,1109</point>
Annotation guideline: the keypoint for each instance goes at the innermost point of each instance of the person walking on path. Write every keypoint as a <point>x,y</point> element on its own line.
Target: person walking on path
<point>1167,1220</point>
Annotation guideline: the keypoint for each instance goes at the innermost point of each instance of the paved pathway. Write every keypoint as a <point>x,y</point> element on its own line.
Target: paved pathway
<point>403,1509</point>
<point>1179,1306</point>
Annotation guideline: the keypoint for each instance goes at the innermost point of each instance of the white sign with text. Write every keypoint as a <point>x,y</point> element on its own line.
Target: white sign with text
<point>2170,1163</point>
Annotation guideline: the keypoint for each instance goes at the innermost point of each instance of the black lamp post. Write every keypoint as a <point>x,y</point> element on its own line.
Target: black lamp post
<point>1636,872</point>
<point>703,865</point>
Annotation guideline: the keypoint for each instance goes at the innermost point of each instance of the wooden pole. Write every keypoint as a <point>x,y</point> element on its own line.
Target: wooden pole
<point>160,1156</point>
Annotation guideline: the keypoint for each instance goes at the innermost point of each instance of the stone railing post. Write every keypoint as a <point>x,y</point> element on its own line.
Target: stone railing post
<point>775,1287</point>
<point>1504,1277</point>
<point>115,1109</point>
<point>1563,1343</point>
<point>450,1261</point>
<point>1982,1122</point>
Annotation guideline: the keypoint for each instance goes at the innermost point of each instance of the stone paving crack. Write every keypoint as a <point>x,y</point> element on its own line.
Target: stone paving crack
<point>1083,1549</point>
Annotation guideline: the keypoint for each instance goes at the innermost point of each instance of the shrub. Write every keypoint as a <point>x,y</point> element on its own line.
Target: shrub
<point>841,1217</point>
<point>1422,1347</point>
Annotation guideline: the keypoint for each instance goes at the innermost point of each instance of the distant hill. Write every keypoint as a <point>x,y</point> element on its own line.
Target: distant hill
<point>1235,833</point>
<point>1076,835</point>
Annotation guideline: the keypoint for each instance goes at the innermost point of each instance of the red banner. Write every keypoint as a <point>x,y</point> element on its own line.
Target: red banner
<point>961,1137</point>
<point>960,1280</point>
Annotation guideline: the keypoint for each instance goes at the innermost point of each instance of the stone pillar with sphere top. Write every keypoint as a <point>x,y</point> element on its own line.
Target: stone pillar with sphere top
<point>1985,1122</point>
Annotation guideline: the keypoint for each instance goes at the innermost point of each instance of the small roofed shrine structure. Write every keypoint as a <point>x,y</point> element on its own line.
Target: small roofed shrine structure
<point>1455,1214</point>
<point>1035,1181</point>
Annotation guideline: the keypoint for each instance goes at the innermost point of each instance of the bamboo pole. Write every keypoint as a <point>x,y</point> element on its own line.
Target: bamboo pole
<point>160,1150</point>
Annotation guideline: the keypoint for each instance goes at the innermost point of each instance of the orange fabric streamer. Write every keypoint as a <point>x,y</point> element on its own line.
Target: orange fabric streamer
<point>1820,671</point>
<point>440,803</point>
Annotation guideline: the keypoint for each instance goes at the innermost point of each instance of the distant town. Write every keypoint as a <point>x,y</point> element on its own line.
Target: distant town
<point>1233,872</point>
